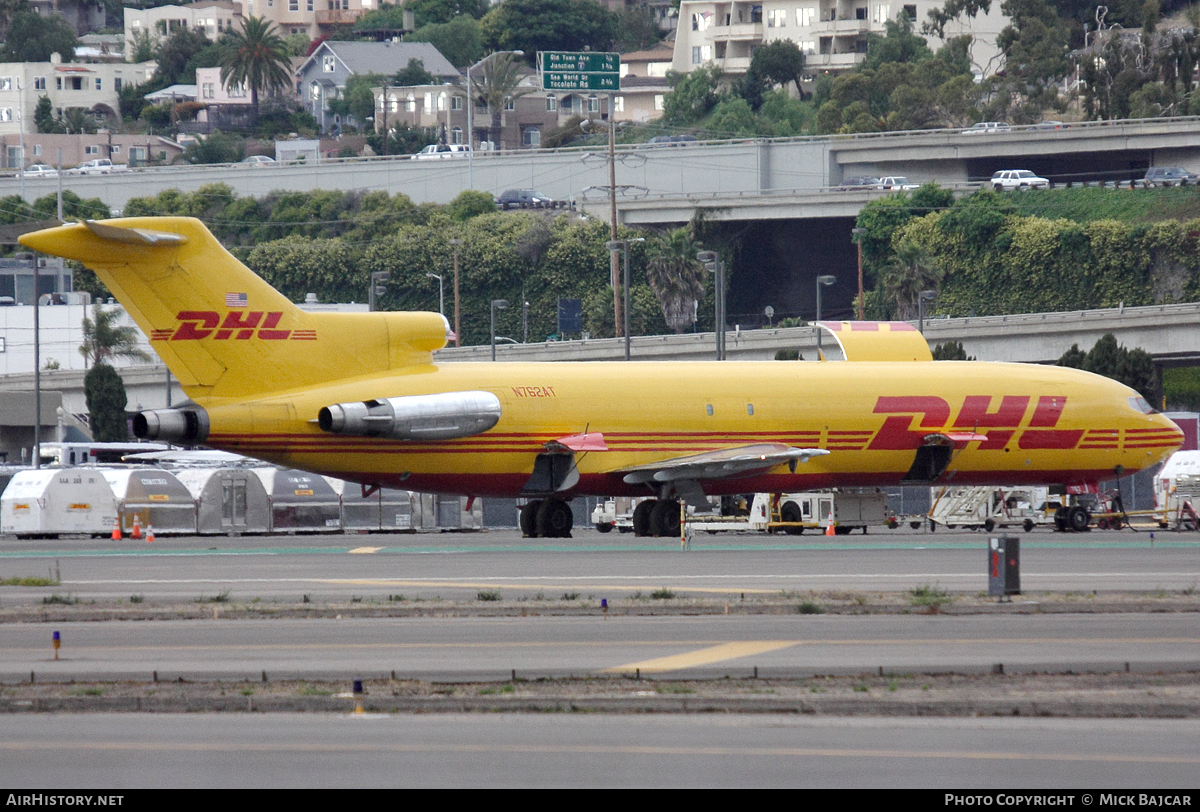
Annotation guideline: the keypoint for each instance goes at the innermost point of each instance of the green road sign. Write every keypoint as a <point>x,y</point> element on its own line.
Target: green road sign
<point>580,81</point>
<point>580,62</point>
<point>584,70</point>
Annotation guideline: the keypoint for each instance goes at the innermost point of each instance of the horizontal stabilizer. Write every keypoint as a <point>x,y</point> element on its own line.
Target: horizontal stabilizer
<point>723,464</point>
<point>134,236</point>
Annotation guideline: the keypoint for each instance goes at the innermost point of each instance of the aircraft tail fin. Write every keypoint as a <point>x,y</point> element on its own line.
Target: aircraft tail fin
<point>222,330</point>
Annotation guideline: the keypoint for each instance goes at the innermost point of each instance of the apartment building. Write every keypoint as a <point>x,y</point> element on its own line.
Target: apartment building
<point>831,33</point>
<point>311,17</point>
<point>212,17</point>
<point>91,86</point>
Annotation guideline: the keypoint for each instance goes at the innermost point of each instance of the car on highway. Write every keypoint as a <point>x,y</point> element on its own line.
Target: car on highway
<point>1007,179</point>
<point>897,183</point>
<point>258,160</point>
<point>524,199</point>
<point>40,171</point>
<point>1050,125</point>
<point>988,128</point>
<point>858,183</point>
<point>441,151</point>
<point>671,140</point>
<point>99,166</point>
<point>1169,176</point>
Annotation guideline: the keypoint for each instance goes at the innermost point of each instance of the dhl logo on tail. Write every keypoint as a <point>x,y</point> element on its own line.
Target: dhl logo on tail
<point>197,324</point>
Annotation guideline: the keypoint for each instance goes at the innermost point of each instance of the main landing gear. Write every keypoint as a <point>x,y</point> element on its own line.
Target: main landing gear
<point>546,518</point>
<point>656,517</point>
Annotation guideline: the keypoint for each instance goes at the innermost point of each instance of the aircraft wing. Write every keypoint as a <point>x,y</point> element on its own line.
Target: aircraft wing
<point>723,464</point>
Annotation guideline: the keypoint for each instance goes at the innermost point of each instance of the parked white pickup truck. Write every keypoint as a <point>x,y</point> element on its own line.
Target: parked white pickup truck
<point>100,166</point>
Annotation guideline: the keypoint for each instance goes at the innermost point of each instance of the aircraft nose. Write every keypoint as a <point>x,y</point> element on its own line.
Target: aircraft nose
<point>1152,441</point>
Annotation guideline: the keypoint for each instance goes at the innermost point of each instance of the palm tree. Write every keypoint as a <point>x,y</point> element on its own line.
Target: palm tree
<point>676,276</point>
<point>498,85</point>
<point>256,57</point>
<point>103,338</point>
<point>909,273</point>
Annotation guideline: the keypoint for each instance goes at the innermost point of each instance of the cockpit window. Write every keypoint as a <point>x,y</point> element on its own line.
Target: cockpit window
<point>1141,405</point>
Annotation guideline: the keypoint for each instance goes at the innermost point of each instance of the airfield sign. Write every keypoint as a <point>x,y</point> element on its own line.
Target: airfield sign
<point>584,70</point>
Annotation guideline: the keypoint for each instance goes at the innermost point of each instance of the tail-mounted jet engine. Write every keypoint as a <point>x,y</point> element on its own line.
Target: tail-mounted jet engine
<point>187,426</point>
<point>415,417</point>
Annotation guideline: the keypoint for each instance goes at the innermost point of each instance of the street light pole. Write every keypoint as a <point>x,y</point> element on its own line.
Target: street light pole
<point>456,243</point>
<point>441,293</point>
<point>712,261</point>
<point>922,298</point>
<point>497,304</point>
<point>822,281</point>
<point>859,234</point>
<point>623,246</point>
<point>377,287</point>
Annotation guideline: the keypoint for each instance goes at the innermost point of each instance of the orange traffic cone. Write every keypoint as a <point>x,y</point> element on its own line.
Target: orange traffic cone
<point>829,531</point>
<point>149,533</point>
<point>137,528</point>
<point>116,533</point>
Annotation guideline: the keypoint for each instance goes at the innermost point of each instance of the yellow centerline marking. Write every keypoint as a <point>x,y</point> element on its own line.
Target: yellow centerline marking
<point>704,656</point>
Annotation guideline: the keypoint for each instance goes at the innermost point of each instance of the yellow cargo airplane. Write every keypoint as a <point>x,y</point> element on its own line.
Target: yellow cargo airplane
<point>360,396</point>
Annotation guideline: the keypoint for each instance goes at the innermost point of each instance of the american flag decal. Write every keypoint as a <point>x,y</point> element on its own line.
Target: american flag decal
<point>236,300</point>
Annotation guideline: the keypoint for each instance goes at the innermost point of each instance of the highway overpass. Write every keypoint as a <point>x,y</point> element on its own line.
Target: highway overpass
<point>664,183</point>
<point>1168,332</point>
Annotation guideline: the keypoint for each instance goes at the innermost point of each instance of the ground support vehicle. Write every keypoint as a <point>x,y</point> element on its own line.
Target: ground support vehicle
<point>615,514</point>
<point>845,510</point>
<point>989,507</point>
<point>1177,492</point>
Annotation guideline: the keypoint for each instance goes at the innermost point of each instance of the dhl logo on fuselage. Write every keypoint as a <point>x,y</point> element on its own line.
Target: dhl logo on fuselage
<point>910,419</point>
<point>198,324</point>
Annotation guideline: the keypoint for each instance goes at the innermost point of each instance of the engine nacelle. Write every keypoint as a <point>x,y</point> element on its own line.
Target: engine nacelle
<point>187,426</point>
<point>444,416</point>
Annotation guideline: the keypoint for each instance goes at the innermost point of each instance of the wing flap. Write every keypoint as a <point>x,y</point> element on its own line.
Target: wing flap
<point>723,464</point>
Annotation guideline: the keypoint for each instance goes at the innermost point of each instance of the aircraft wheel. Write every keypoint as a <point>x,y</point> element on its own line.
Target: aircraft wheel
<point>554,519</point>
<point>529,512</point>
<point>790,512</point>
<point>665,518</point>
<point>1028,525</point>
<point>641,517</point>
<point>989,525</point>
<point>1078,518</point>
<point>915,525</point>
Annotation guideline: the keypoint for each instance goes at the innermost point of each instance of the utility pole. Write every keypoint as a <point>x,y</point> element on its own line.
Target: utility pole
<point>614,273</point>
